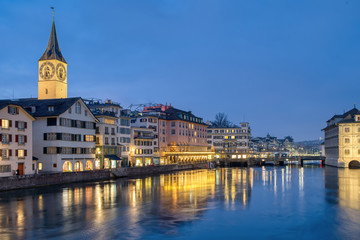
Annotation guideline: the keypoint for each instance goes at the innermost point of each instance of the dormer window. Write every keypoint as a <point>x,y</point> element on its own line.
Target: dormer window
<point>78,108</point>
<point>13,110</point>
<point>33,109</point>
<point>51,108</point>
<point>357,118</point>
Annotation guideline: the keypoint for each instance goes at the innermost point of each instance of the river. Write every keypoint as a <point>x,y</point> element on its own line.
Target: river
<point>226,203</point>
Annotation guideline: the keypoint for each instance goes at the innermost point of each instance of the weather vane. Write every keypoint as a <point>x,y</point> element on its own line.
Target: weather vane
<point>53,11</point>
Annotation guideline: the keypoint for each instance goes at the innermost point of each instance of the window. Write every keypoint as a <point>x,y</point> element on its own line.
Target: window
<point>51,121</point>
<point>78,108</point>
<point>106,130</point>
<point>347,140</point>
<point>5,168</point>
<point>347,151</point>
<point>40,166</point>
<point>172,131</point>
<point>21,153</point>
<point>51,108</point>
<point>4,153</point>
<point>5,138</point>
<point>106,140</point>
<point>5,123</point>
<point>347,129</point>
<point>20,125</point>
<point>13,110</point>
<point>86,112</point>
<point>89,138</point>
<point>69,110</point>
<point>172,124</point>
<point>21,139</point>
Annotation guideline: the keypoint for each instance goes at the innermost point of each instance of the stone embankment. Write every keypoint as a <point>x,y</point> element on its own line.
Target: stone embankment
<point>39,180</point>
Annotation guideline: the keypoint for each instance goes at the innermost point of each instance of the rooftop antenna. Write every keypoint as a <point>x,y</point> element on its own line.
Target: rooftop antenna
<point>354,104</point>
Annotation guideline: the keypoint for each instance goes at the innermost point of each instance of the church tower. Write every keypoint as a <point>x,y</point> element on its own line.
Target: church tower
<point>52,70</point>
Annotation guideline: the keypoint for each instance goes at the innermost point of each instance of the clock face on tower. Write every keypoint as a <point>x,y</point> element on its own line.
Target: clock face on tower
<point>47,70</point>
<point>60,72</point>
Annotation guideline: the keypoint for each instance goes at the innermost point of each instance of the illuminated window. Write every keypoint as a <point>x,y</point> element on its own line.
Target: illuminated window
<point>4,123</point>
<point>232,137</point>
<point>226,137</point>
<point>21,153</point>
<point>89,138</point>
<point>40,166</point>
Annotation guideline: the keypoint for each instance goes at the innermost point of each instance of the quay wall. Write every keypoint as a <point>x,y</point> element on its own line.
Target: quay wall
<point>39,180</point>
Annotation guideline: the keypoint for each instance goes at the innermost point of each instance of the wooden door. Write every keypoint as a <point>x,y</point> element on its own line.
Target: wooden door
<point>21,168</point>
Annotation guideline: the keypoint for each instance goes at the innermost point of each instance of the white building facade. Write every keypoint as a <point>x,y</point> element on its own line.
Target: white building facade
<point>16,156</point>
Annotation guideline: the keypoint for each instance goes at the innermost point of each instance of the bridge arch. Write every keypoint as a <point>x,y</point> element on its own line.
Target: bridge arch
<point>354,164</point>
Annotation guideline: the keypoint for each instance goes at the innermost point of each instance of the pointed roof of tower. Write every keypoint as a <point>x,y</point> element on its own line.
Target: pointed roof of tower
<point>53,50</point>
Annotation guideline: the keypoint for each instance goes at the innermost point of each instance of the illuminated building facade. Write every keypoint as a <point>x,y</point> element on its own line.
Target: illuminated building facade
<point>142,147</point>
<point>342,140</point>
<point>181,134</point>
<point>230,142</point>
<point>147,121</point>
<point>108,147</point>
<point>15,140</point>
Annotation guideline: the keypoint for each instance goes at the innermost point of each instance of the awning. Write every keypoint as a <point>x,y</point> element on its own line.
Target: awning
<point>35,158</point>
<point>112,157</point>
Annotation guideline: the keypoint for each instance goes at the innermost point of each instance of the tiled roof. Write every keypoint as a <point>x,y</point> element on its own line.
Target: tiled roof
<point>42,106</point>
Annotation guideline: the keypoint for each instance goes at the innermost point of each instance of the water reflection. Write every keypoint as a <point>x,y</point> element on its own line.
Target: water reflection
<point>164,205</point>
<point>345,184</point>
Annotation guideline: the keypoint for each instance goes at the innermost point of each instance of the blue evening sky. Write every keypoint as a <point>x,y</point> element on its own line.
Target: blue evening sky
<point>285,66</point>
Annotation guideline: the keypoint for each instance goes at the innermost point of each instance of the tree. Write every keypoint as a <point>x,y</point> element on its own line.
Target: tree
<point>221,120</point>
<point>289,138</point>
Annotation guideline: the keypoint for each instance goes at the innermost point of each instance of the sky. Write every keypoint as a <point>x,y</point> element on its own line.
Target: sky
<point>283,66</point>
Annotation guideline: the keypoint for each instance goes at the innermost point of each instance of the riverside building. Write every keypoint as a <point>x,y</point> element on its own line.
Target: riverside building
<point>15,140</point>
<point>342,139</point>
<point>230,142</point>
<point>64,128</point>
<point>181,135</point>
<point>142,124</point>
<point>108,147</point>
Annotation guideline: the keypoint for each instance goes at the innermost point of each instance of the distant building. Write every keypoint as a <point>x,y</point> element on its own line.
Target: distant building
<point>15,140</point>
<point>342,139</point>
<point>230,142</point>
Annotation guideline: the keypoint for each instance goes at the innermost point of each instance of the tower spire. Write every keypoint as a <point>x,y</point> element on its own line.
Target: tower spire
<point>53,50</point>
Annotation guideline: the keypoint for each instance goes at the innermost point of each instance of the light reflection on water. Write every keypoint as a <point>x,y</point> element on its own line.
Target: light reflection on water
<point>268,202</point>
